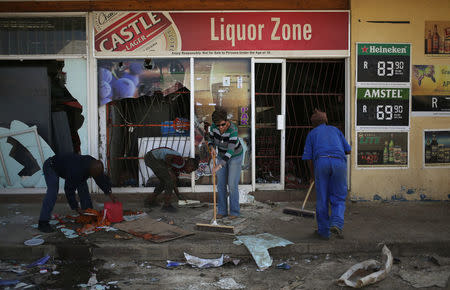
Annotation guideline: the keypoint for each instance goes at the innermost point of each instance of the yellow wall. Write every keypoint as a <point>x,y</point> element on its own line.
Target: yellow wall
<point>411,183</point>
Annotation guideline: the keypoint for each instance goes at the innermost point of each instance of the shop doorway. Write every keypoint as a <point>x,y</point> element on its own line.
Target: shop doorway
<point>309,84</point>
<point>269,123</point>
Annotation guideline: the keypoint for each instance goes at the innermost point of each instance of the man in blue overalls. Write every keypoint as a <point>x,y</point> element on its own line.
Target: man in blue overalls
<point>325,150</point>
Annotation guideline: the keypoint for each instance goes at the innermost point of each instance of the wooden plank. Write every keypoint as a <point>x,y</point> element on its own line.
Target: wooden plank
<point>170,5</point>
<point>152,230</point>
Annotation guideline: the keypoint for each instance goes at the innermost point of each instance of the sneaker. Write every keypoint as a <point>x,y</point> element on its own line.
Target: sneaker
<point>220,216</point>
<point>168,208</point>
<point>319,236</point>
<point>232,217</point>
<point>337,232</point>
<point>45,227</point>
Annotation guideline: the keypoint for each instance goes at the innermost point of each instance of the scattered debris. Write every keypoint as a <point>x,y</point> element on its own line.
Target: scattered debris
<point>34,242</point>
<point>8,282</point>
<point>258,246</point>
<point>353,277</point>
<point>424,279</point>
<point>132,216</point>
<point>189,203</point>
<point>92,280</point>
<point>39,262</point>
<point>122,237</point>
<point>228,283</point>
<point>284,266</point>
<point>203,263</point>
<point>434,260</point>
<point>173,264</point>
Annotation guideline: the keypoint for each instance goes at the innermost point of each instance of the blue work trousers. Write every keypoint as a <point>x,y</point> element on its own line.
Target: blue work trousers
<point>52,181</point>
<point>230,174</point>
<point>331,189</point>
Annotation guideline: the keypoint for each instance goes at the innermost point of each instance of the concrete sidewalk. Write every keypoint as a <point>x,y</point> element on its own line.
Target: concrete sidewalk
<point>406,227</point>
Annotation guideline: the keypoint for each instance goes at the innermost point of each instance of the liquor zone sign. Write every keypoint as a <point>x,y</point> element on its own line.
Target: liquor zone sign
<point>222,33</point>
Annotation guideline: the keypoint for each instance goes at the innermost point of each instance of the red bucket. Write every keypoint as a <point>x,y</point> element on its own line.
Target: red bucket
<point>113,211</point>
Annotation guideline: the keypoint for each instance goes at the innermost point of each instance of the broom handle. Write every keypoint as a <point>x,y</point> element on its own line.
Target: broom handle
<point>307,195</point>
<point>214,186</point>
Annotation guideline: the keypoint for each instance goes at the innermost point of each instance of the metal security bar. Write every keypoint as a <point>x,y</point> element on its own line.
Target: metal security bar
<point>135,126</point>
<point>310,84</point>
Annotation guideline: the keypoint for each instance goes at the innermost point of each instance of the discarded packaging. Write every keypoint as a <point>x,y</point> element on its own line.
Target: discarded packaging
<point>129,218</point>
<point>352,279</point>
<point>34,242</point>
<point>39,262</point>
<point>173,264</point>
<point>283,266</point>
<point>203,263</point>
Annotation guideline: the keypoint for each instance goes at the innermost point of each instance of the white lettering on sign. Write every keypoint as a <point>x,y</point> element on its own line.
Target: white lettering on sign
<point>383,93</point>
<point>290,32</point>
<point>434,102</point>
<point>234,32</point>
<point>392,49</point>
<point>129,32</point>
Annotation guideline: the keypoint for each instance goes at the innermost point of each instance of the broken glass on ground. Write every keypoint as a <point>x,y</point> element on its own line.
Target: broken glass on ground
<point>258,246</point>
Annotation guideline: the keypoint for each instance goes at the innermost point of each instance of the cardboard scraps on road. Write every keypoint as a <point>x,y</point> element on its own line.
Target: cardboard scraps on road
<point>354,277</point>
<point>152,230</point>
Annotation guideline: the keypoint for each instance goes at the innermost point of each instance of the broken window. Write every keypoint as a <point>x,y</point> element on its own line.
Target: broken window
<point>147,106</point>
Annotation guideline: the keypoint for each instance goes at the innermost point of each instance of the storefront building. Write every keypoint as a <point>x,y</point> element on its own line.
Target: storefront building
<point>400,155</point>
<point>146,76</point>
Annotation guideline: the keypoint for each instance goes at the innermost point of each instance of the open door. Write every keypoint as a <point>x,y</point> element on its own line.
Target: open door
<point>269,101</point>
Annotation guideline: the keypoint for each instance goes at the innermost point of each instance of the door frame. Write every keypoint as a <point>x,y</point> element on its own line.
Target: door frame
<point>281,125</point>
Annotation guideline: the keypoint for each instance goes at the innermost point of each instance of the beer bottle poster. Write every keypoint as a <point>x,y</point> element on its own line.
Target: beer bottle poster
<point>382,106</point>
<point>436,148</point>
<point>382,149</point>
<point>383,63</point>
<point>437,37</point>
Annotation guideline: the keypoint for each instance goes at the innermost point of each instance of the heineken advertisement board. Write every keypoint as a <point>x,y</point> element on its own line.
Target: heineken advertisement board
<point>382,106</point>
<point>383,63</point>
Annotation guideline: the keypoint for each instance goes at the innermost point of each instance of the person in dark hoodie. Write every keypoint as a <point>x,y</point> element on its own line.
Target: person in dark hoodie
<point>75,170</point>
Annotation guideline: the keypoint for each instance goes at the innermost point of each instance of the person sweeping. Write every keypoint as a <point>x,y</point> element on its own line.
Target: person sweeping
<point>223,135</point>
<point>326,149</point>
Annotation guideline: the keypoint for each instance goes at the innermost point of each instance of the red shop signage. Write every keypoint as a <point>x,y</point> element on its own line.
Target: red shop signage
<point>171,32</point>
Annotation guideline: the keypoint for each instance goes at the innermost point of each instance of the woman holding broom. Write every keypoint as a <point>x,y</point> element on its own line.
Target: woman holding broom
<point>223,135</point>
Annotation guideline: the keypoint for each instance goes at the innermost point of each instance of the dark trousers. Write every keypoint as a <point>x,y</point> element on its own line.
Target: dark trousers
<point>52,181</point>
<point>162,172</point>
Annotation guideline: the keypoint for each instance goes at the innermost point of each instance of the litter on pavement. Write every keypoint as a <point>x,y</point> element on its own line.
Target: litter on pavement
<point>203,263</point>
<point>258,246</point>
<point>39,262</point>
<point>353,276</point>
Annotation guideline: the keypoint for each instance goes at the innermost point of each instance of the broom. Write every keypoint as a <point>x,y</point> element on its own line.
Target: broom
<point>214,226</point>
<point>302,211</point>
